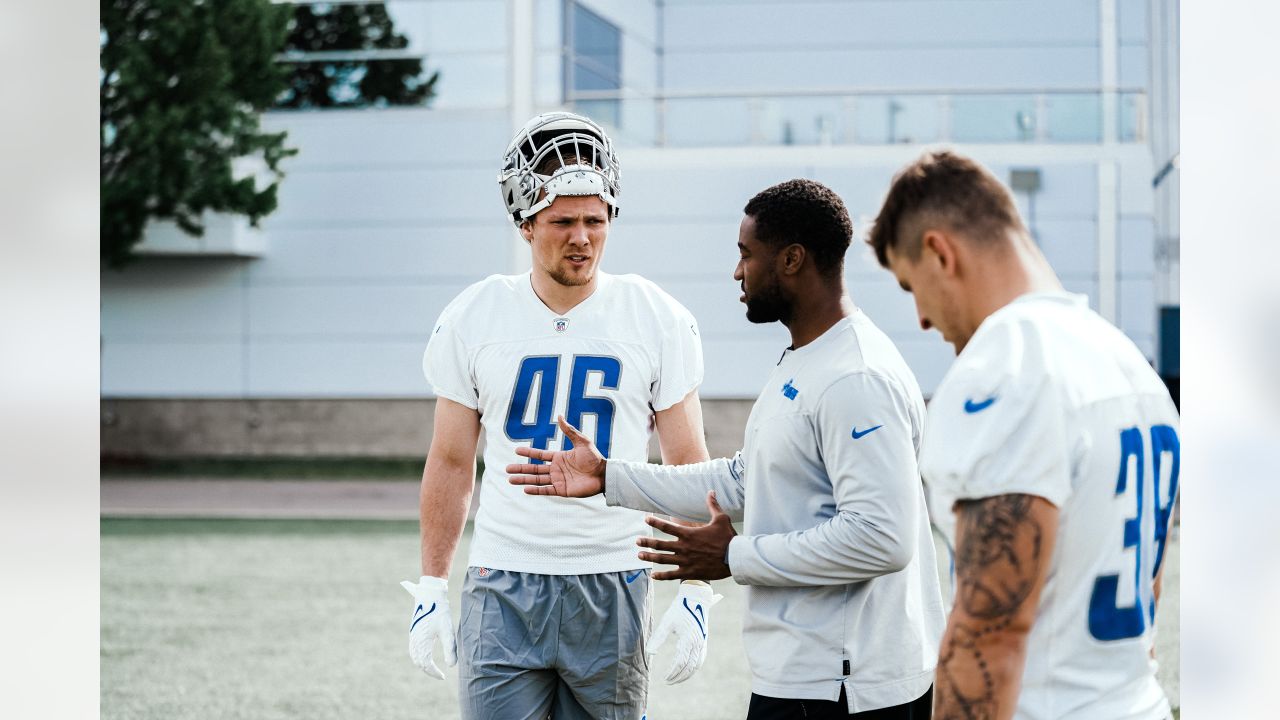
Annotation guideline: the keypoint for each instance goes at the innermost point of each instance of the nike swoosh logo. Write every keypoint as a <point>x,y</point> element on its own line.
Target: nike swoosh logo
<point>699,618</point>
<point>972,407</point>
<point>632,578</point>
<point>420,617</point>
<point>857,435</point>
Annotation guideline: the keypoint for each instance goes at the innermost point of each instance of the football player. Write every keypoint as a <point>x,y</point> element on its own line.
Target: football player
<point>555,605</point>
<point>1051,448</point>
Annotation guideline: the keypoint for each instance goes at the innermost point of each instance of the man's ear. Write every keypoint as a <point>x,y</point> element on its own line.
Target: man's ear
<point>939,247</point>
<point>526,230</point>
<point>791,259</point>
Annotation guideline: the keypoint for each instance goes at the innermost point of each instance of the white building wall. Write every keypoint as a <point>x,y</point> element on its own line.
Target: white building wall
<point>386,214</point>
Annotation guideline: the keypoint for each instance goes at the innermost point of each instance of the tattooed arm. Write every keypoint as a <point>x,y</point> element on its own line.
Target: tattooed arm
<point>1003,546</point>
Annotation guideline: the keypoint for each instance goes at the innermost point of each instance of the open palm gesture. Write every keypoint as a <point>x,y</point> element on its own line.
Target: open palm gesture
<point>576,473</point>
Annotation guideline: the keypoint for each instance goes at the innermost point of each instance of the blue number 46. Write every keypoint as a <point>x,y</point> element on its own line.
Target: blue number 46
<point>1106,620</point>
<point>543,371</point>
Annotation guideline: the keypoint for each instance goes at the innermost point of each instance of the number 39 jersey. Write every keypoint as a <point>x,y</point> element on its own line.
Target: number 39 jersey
<point>607,366</point>
<point>1049,399</point>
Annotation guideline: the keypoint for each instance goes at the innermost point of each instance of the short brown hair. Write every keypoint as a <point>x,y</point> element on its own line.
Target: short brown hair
<point>955,190</point>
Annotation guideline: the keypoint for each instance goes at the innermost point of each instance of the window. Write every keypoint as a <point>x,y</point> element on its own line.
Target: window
<point>593,64</point>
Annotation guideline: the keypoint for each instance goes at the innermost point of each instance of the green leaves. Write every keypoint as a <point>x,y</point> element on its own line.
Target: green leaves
<point>182,85</point>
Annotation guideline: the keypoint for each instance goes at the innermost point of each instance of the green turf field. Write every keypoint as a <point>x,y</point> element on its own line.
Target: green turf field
<point>306,619</point>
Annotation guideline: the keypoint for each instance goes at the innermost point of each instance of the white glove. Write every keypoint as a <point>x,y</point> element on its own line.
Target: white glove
<point>687,620</point>
<point>431,619</point>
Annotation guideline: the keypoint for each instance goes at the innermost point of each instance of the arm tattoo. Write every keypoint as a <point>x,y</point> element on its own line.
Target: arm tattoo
<point>998,563</point>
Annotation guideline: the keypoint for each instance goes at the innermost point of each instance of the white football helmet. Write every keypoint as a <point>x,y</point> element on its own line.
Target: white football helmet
<point>585,164</point>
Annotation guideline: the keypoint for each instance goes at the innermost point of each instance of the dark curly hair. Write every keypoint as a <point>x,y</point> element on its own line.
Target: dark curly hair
<point>807,213</point>
<point>946,188</point>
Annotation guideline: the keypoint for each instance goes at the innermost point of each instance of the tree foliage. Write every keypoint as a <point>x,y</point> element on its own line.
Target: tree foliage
<point>348,82</point>
<point>182,86</point>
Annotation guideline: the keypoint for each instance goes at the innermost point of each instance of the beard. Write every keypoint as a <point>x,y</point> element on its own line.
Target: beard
<point>767,305</point>
<point>571,278</point>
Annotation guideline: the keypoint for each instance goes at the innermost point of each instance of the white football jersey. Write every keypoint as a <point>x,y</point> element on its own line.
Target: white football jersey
<point>1049,399</point>
<point>607,366</point>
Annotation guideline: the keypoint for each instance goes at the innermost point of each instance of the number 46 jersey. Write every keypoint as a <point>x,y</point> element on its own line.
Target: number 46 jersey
<point>1049,399</point>
<point>607,365</point>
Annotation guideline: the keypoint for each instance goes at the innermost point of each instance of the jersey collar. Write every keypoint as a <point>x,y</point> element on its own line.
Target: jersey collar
<point>603,280</point>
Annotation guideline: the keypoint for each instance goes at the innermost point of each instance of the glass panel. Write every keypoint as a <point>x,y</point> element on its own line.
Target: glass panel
<point>327,27</point>
<point>356,83</point>
<point>708,122</point>
<point>597,44</point>
<point>586,78</point>
<point>1074,118</point>
<point>802,121</point>
<point>890,120</point>
<point>329,67</point>
<point>595,64</point>
<point>637,123</point>
<point>470,81</point>
<point>1132,109</point>
<point>605,112</point>
<point>993,118</point>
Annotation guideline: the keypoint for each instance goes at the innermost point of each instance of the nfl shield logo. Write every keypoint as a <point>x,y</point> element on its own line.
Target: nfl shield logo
<point>561,324</point>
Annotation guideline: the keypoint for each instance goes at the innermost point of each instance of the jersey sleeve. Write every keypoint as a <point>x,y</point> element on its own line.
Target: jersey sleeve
<point>447,364</point>
<point>1000,427</point>
<point>680,360</point>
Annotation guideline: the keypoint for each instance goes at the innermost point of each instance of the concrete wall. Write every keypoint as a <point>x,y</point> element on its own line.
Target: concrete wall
<point>315,429</point>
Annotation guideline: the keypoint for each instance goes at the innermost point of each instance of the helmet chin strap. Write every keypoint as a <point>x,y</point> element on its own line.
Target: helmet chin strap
<point>573,180</point>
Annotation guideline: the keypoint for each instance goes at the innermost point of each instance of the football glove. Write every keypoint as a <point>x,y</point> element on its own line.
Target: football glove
<point>687,620</point>
<point>430,619</point>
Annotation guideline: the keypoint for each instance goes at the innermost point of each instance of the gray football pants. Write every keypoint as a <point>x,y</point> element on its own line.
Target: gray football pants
<point>560,646</point>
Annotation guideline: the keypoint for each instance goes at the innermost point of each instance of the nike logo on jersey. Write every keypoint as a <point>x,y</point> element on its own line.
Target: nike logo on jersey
<point>858,435</point>
<point>632,578</point>
<point>972,407</point>
<point>699,618</point>
<point>420,617</point>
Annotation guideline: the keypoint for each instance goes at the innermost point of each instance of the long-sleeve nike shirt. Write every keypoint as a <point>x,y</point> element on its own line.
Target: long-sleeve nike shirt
<point>836,553</point>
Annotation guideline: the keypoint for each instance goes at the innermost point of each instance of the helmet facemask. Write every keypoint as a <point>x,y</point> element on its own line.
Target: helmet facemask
<point>558,154</point>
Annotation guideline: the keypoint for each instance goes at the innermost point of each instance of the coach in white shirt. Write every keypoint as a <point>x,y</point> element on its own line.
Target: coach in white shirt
<point>844,611</point>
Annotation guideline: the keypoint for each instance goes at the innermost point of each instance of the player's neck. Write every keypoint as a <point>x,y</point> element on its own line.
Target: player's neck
<point>1014,274</point>
<point>558,298</point>
<point>815,312</point>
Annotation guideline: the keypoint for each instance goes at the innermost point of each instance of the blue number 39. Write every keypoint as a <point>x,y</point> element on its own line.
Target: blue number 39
<point>1106,620</point>
<point>545,371</point>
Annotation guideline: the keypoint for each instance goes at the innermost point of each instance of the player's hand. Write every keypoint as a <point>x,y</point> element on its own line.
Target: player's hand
<point>686,619</point>
<point>430,619</point>
<point>575,473</point>
<point>698,552</point>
